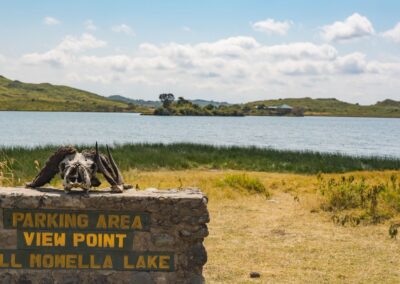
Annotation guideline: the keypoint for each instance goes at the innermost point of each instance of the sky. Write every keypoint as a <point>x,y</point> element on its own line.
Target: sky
<point>235,51</point>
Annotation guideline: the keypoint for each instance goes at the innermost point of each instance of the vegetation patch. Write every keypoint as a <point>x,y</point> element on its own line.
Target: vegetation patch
<point>356,200</point>
<point>16,95</point>
<point>244,183</point>
<point>181,156</point>
<point>187,108</point>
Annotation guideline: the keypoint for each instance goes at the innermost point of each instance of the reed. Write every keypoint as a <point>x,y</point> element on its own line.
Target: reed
<point>27,161</point>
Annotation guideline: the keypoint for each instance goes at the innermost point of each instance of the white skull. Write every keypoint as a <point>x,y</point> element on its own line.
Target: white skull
<point>77,171</point>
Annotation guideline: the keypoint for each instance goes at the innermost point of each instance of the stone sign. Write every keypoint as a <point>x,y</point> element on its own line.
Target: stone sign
<point>147,236</point>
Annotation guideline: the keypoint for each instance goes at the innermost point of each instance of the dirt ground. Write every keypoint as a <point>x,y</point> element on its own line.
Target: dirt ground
<point>285,238</point>
<point>282,240</point>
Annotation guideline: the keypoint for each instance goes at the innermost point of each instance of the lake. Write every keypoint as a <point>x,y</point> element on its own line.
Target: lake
<point>354,136</point>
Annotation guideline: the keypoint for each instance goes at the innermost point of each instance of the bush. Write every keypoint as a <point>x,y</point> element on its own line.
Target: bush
<point>161,111</point>
<point>245,183</point>
<point>371,202</point>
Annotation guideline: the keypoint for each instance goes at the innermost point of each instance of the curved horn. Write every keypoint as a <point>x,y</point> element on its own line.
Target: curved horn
<point>117,172</point>
<point>102,168</point>
<point>51,167</point>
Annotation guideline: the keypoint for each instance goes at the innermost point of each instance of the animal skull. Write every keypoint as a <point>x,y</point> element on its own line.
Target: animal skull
<point>78,170</point>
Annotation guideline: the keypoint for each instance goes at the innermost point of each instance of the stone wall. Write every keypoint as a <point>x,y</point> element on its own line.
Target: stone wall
<point>177,226</point>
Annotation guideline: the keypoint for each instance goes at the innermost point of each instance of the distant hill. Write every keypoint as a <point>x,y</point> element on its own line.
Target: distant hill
<point>138,102</point>
<point>156,104</point>
<point>19,96</point>
<point>388,103</point>
<point>16,95</point>
<point>331,107</point>
<point>203,103</point>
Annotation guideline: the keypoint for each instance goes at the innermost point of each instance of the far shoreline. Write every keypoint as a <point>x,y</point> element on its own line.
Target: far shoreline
<point>151,114</point>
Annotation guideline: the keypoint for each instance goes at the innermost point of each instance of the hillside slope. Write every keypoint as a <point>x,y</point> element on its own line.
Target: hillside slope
<point>332,107</point>
<point>16,95</point>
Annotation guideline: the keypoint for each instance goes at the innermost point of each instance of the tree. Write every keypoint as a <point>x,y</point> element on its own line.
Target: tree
<point>209,107</point>
<point>166,99</point>
<point>246,109</point>
<point>182,101</point>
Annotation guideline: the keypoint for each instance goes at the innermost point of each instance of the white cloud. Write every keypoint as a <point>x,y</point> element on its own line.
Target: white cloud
<point>90,26</point>
<point>238,67</point>
<point>186,29</point>
<point>64,52</point>
<point>300,50</point>
<point>51,21</point>
<point>82,43</point>
<point>355,26</point>
<point>354,63</point>
<point>233,59</point>
<point>393,34</point>
<point>115,62</point>
<point>272,27</point>
<point>123,28</point>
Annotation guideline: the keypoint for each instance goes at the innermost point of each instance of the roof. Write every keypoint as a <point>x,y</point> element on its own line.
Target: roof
<point>284,106</point>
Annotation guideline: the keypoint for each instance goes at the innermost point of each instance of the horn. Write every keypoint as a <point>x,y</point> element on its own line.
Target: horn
<point>102,168</point>
<point>51,167</point>
<point>117,172</point>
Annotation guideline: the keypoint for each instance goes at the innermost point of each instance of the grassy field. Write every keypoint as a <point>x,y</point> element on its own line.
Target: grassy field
<point>281,225</point>
<point>23,163</point>
<point>285,237</point>
<point>331,107</point>
<point>16,95</point>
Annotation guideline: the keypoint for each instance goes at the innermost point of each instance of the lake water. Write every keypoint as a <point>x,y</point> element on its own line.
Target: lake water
<point>355,136</point>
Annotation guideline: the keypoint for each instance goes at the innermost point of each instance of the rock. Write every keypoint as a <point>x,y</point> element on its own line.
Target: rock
<point>162,240</point>
<point>142,277</point>
<point>255,274</point>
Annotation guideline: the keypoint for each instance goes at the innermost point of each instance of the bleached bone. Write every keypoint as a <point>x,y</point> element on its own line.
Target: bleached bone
<point>79,169</point>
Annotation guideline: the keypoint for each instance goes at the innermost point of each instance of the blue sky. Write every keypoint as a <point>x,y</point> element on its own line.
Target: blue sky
<point>223,50</point>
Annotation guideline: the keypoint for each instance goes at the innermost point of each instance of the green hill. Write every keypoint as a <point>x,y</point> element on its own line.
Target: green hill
<point>19,96</point>
<point>16,95</point>
<point>329,107</point>
<point>155,104</point>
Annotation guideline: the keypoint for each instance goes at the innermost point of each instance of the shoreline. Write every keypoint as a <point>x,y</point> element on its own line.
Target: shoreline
<point>257,115</point>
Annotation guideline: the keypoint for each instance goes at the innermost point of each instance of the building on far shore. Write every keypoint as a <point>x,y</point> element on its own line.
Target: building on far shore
<point>280,110</point>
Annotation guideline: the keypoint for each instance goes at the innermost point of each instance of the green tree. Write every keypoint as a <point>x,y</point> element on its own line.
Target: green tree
<point>182,101</point>
<point>209,107</point>
<point>166,99</point>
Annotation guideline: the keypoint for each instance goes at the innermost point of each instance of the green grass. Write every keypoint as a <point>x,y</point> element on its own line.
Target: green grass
<point>19,96</point>
<point>331,107</point>
<point>244,183</point>
<point>24,162</point>
<point>16,95</point>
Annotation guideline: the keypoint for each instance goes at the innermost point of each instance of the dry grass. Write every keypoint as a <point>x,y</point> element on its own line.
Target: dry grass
<point>280,237</point>
<point>285,238</point>
<point>6,173</point>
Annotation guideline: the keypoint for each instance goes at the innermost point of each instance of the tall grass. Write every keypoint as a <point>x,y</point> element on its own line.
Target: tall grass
<point>355,200</point>
<point>244,184</point>
<point>26,161</point>
<point>6,173</point>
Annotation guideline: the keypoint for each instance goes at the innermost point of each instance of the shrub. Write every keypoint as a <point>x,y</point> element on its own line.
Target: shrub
<point>161,111</point>
<point>371,202</point>
<point>245,183</point>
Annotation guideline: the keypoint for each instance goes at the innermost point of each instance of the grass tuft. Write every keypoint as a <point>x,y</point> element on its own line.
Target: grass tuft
<point>244,183</point>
